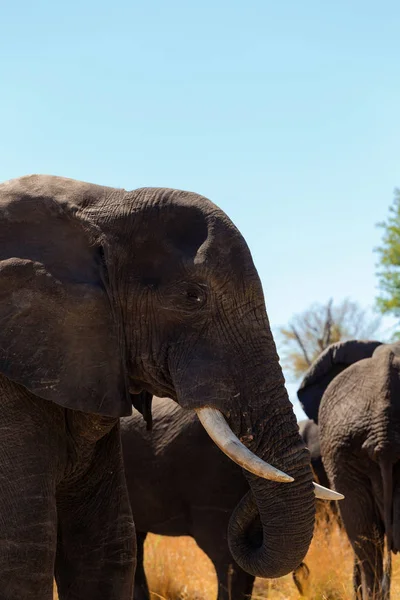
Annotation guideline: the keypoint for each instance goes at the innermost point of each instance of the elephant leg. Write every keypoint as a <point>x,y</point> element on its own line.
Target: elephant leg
<point>301,578</point>
<point>29,464</point>
<point>368,549</point>
<point>366,534</point>
<point>141,588</point>
<point>240,583</point>
<point>96,536</point>
<point>233,582</point>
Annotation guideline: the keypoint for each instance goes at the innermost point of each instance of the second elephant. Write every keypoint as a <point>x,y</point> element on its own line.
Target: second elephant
<point>353,391</point>
<point>188,487</point>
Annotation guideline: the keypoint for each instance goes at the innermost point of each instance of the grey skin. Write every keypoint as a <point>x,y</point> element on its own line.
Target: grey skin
<point>310,434</point>
<point>187,486</point>
<point>105,294</point>
<point>353,389</point>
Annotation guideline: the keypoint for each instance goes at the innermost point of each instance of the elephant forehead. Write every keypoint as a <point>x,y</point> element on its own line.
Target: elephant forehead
<point>184,218</point>
<point>162,225</point>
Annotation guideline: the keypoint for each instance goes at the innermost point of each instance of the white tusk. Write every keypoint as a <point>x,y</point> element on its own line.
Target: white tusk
<point>323,493</point>
<point>219,431</point>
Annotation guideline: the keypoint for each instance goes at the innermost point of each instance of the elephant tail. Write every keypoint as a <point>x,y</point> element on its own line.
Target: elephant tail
<point>386,468</point>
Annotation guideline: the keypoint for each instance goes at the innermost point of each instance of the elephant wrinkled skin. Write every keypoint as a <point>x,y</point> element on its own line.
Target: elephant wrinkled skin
<point>106,294</point>
<point>354,390</point>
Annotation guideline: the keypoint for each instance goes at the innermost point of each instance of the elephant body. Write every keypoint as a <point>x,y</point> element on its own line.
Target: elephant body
<point>359,423</point>
<point>187,487</point>
<point>108,297</point>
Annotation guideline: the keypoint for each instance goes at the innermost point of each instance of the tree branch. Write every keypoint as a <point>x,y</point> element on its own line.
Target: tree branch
<point>300,343</point>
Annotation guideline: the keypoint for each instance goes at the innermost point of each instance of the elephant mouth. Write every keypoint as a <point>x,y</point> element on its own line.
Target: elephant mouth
<point>142,400</point>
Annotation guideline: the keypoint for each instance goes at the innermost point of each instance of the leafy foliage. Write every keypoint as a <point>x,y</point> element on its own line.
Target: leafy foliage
<point>389,261</point>
<point>313,330</point>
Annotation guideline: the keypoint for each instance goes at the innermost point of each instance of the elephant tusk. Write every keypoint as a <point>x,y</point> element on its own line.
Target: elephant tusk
<point>219,431</point>
<point>324,493</point>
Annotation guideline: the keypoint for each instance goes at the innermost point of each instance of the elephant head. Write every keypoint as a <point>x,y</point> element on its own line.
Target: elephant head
<point>106,294</point>
<point>332,361</point>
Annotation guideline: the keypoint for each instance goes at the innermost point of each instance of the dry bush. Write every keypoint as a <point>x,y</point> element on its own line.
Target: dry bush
<point>178,570</point>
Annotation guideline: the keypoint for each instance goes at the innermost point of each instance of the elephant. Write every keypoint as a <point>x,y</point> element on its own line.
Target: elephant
<point>189,487</point>
<point>310,434</point>
<point>353,391</point>
<point>109,297</point>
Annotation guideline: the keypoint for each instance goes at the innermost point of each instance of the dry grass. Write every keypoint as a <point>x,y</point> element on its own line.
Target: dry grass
<point>178,570</point>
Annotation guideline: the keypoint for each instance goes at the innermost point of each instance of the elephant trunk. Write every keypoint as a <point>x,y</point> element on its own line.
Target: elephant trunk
<point>272,527</point>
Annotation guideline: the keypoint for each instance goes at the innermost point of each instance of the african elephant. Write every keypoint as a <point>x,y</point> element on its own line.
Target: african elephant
<point>310,434</point>
<point>104,294</point>
<point>353,389</point>
<point>187,487</point>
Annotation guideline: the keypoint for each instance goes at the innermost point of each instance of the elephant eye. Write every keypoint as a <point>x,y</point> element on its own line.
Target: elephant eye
<point>184,297</point>
<point>195,296</point>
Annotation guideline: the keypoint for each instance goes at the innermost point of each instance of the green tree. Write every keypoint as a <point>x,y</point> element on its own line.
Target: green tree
<point>310,332</point>
<point>388,301</point>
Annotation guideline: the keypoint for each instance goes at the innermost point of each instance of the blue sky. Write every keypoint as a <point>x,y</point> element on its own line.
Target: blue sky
<point>286,114</point>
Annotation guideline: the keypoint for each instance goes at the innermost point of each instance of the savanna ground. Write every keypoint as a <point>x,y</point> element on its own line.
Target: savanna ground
<point>178,570</point>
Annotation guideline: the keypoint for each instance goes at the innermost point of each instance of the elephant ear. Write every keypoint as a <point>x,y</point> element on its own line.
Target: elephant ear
<point>332,361</point>
<point>57,334</point>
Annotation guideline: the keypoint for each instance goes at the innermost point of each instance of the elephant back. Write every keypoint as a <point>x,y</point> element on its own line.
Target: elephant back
<point>332,361</point>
